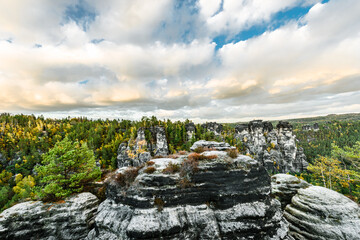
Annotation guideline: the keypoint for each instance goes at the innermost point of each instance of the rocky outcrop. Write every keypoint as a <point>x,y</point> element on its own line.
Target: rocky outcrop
<point>190,130</point>
<point>221,146</point>
<point>161,147</point>
<point>314,127</point>
<point>275,148</point>
<point>214,127</point>
<point>285,186</point>
<point>320,213</point>
<point>72,219</point>
<point>222,198</point>
<point>140,152</point>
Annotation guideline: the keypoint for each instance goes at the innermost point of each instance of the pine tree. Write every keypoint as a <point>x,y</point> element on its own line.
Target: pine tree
<point>68,166</point>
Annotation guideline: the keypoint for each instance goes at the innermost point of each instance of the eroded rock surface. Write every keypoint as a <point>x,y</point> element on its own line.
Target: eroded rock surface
<point>320,213</point>
<point>136,154</point>
<point>221,146</point>
<point>214,127</point>
<point>275,148</point>
<point>223,199</point>
<point>285,186</point>
<point>72,219</point>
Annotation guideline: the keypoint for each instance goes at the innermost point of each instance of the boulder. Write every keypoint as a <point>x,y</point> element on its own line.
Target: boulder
<point>221,198</point>
<point>222,146</point>
<point>71,219</point>
<point>285,186</point>
<point>320,213</point>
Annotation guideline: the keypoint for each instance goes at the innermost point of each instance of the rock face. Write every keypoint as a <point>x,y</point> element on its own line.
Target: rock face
<point>214,127</point>
<point>142,150</point>
<point>320,213</point>
<point>36,220</point>
<point>221,146</point>
<point>285,186</point>
<point>190,130</point>
<point>223,199</point>
<point>275,148</point>
<point>161,147</point>
<point>314,127</point>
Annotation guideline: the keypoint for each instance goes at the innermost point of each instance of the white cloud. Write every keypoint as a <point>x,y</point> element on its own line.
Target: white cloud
<point>158,58</point>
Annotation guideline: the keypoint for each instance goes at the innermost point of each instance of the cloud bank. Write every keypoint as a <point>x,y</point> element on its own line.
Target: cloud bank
<point>221,60</point>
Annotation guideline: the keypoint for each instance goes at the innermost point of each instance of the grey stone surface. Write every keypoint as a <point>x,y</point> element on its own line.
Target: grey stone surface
<point>226,199</point>
<point>320,213</point>
<point>36,220</point>
<point>221,146</point>
<point>285,186</point>
<point>275,148</point>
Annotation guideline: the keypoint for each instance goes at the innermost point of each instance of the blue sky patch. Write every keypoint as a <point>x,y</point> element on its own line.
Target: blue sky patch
<point>83,82</point>
<point>277,21</point>
<point>81,13</point>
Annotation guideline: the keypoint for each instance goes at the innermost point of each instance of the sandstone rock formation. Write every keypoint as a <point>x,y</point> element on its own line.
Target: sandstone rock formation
<point>142,150</point>
<point>222,198</point>
<point>221,146</point>
<point>275,148</point>
<point>214,127</point>
<point>72,219</point>
<point>314,127</point>
<point>320,213</point>
<point>190,130</point>
<point>285,186</point>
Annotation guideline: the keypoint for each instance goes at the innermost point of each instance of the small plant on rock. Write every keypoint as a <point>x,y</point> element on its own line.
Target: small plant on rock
<point>233,153</point>
<point>199,150</point>
<point>159,204</point>
<point>149,170</point>
<point>171,168</point>
<point>127,177</point>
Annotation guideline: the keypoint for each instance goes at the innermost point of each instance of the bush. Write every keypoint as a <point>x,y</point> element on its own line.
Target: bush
<point>149,170</point>
<point>127,177</point>
<point>188,167</point>
<point>233,153</point>
<point>68,166</point>
<point>150,163</point>
<point>198,157</point>
<point>159,203</point>
<point>171,168</point>
<point>199,150</point>
<point>185,183</point>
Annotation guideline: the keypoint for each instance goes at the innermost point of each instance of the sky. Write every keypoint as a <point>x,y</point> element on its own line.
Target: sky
<point>205,60</point>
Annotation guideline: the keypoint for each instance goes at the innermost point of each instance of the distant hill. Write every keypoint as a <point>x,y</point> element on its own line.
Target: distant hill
<point>318,119</point>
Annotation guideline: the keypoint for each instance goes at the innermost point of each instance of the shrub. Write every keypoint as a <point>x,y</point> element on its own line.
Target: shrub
<point>171,168</point>
<point>188,167</point>
<point>150,163</point>
<point>182,152</point>
<point>127,177</point>
<point>199,150</point>
<point>149,170</point>
<point>159,203</point>
<point>185,183</point>
<point>233,153</point>
<point>198,157</point>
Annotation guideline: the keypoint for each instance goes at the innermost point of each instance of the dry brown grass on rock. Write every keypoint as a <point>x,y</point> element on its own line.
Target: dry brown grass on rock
<point>171,168</point>
<point>127,177</point>
<point>199,157</point>
<point>149,170</point>
<point>233,153</point>
<point>150,163</point>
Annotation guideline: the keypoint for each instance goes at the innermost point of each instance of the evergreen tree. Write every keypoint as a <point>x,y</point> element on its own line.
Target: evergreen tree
<point>67,167</point>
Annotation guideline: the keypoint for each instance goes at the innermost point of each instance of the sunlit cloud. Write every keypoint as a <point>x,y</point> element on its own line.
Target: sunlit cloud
<point>219,60</point>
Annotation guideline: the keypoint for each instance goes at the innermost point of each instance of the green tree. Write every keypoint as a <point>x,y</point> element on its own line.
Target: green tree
<point>67,167</point>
